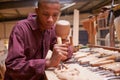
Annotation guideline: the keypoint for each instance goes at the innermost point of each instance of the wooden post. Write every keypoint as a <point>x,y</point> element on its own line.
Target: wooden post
<point>112,36</point>
<point>76,28</point>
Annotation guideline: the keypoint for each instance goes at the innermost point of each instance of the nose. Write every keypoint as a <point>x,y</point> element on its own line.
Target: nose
<point>50,19</point>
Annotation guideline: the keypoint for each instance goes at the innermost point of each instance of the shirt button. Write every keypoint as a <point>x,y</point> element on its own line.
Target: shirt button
<point>33,50</point>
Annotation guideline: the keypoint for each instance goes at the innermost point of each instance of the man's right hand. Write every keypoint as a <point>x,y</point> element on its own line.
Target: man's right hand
<point>60,52</point>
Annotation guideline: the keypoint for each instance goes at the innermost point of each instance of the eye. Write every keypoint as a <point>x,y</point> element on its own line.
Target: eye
<point>45,14</point>
<point>55,15</point>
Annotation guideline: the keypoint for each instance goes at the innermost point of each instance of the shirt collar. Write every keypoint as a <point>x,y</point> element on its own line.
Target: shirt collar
<point>33,22</point>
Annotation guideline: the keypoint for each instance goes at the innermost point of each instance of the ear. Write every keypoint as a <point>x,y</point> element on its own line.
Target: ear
<point>59,16</point>
<point>36,10</point>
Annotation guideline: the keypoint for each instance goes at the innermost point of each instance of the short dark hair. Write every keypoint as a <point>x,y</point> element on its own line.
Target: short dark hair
<point>47,1</point>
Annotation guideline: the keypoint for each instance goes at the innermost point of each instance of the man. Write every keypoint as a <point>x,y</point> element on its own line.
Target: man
<point>30,41</point>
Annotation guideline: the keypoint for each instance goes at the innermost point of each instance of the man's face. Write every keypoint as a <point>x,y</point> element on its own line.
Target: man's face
<point>48,14</point>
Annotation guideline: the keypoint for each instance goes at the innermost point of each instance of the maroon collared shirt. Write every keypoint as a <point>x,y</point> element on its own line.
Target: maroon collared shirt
<point>28,47</point>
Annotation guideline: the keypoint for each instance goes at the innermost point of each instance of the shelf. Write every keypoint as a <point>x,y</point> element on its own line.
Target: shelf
<point>104,28</point>
<point>101,39</point>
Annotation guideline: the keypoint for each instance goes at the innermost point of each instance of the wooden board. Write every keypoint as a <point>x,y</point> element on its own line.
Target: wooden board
<point>50,75</point>
<point>85,74</point>
<point>105,47</point>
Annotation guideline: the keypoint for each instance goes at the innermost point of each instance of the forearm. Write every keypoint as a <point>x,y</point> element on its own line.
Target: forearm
<point>25,68</point>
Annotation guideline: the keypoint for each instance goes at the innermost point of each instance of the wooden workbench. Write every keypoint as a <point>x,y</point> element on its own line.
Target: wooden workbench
<point>85,74</point>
